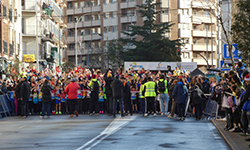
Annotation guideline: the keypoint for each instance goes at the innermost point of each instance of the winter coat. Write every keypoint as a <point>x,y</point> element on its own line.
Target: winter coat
<point>205,87</point>
<point>196,98</point>
<point>108,81</point>
<point>25,90</point>
<point>126,90</point>
<point>180,93</point>
<point>117,88</point>
<point>18,90</point>
<point>46,98</point>
<point>72,90</point>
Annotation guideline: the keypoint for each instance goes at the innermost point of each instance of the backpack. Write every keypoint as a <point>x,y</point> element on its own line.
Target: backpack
<point>161,86</point>
<point>196,95</point>
<point>46,90</point>
<point>96,86</point>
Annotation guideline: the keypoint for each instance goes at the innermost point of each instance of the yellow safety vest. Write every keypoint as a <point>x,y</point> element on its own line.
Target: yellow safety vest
<point>150,89</point>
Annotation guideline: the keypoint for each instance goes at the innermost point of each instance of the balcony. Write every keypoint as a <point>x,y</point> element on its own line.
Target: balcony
<point>70,11</point>
<point>56,13</point>
<point>197,19</point>
<point>71,39</point>
<point>110,22</point>
<point>110,35</point>
<point>71,25</point>
<point>110,7</point>
<point>29,6</point>
<point>203,5</point>
<point>184,4</point>
<point>86,9</point>
<point>78,10</point>
<point>184,33</point>
<point>203,47</point>
<point>93,36</point>
<point>183,19</point>
<point>164,17</point>
<point>127,19</point>
<point>131,4</point>
<point>29,30</point>
<point>96,8</point>
<point>197,33</point>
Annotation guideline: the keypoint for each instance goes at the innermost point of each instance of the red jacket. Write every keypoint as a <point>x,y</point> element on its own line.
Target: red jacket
<point>71,90</point>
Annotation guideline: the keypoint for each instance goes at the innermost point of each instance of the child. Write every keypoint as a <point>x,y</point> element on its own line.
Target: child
<point>12,102</point>
<point>133,98</point>
<point>101,100</point>
<point>63,102</point>
<point>53,104</point>
<point>35,101</point>
<point>58,100</point>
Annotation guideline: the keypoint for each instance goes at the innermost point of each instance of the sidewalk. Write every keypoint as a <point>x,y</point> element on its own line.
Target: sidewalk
<point>234,140</point>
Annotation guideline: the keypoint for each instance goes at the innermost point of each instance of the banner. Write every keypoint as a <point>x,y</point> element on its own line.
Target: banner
<point>190,66</point>
<point>28,58</point>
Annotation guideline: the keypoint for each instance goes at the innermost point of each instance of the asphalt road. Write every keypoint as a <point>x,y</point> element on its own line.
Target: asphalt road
<point>104,133</point>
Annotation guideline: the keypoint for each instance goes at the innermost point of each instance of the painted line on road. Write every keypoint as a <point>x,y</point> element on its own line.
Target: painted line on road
<point>21,127</point>
<point>113,127</point>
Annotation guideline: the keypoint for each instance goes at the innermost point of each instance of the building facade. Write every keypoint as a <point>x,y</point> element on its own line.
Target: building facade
<point>110,17</point>
<point>10,29</point>
<point>42,28</point>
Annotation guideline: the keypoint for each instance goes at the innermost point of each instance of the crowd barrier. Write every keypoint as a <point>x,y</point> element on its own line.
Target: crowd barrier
<point>5,107</point>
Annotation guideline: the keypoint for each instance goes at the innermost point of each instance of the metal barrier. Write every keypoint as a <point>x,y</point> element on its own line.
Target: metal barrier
<point>4,105</point>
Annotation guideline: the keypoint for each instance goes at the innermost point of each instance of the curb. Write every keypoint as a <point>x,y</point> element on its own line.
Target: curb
<point>223,135</point>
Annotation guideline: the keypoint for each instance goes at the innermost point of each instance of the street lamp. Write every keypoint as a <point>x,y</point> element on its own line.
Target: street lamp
<point>206,37</point>
<point>60,33</point>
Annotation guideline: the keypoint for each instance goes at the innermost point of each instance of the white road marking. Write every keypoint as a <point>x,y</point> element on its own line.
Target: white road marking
<point>113,127</point>
<point>21,127</point>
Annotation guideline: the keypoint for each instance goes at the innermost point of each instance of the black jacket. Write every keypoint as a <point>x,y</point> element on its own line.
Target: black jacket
<point>126,91</point>
<point>46,98</point>
<point>108,81</point>
<point>18,90</point>
<point>205,87</point>
<point>25,90</point>
<point>117,88</point>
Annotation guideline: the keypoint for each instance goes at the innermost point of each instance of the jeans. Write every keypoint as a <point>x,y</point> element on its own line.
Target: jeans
<point>46,106</point>
<point>24,107</point>
<point>115,106</point>
<point>164,98</point>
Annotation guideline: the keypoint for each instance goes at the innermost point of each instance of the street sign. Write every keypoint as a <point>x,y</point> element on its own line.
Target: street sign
<point>235,51</point>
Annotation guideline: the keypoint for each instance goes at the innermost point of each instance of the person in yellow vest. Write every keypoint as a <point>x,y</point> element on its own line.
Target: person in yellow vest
<point>150,92</point>
<point>141,97</point>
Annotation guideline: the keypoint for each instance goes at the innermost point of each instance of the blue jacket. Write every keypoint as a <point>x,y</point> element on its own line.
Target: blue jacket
<point>246,106</point>
<point>180,93</point>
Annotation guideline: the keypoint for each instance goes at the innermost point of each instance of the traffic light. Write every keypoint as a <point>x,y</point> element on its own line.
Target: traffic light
<point>178,52</point>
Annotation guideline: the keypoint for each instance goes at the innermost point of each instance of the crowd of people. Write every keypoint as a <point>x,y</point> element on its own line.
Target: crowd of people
<point>84,91</point>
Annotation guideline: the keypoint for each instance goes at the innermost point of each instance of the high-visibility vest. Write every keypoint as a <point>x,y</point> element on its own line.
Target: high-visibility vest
<point>150,89</point>
<point>141,89</point>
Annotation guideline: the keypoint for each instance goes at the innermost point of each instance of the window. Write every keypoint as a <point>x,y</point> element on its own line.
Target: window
<point>5,47</point>
<point>87,31</point>
<point>114,28</point>
<point>194,41</point>
<point>105,29</point>
<point>97,17</point>
<point>98,30</point>
<point>71,46</point>
<point>69,19</point>
<point>11,49</point>
<point>106,15</point>
<point>106,1</point>
<point>92,31</point>
<point>10,15</point>
<point>92,17</point>
<point>195,12</point>
<point>69,5</point>
<point>4,11</point>
<point>205,13</point>
<point>114,15</point>
<point>81,4</point>
<point>75,5</point>
<point>114,1</point>
<point>194,27</point>
<point>70,33</point>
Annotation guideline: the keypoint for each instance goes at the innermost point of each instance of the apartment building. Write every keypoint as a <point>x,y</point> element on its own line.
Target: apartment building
<point>41,31</point>
<point>10,30</point>
<point>110,17</point>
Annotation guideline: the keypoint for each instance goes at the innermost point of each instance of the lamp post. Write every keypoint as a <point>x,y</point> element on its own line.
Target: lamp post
<point>59,48</point>
<point>206,38</point>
